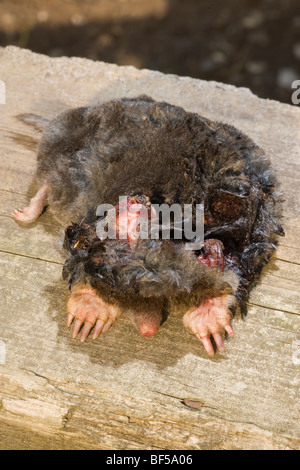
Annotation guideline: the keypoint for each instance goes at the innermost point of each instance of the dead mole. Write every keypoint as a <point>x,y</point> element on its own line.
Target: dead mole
<point>154,153</point>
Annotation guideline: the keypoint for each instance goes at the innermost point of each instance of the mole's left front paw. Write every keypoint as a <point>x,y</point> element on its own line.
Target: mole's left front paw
<point>210,319</point>
<point>90,310</point>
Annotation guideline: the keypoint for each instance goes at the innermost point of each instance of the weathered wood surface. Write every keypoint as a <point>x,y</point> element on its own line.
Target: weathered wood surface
<point>124,391</point>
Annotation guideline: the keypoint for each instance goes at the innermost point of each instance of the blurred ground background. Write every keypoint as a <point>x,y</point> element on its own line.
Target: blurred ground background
<point>251,43</point>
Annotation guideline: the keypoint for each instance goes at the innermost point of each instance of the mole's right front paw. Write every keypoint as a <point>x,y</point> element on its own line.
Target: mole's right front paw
<point>88,309</point>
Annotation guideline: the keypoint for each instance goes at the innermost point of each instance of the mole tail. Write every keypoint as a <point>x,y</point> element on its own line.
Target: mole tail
<point>38,122</point>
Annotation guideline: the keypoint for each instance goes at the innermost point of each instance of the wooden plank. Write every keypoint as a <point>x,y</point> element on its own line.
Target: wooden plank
<point>40,240</point>
<point>124,391</point>
<point>113,421</point>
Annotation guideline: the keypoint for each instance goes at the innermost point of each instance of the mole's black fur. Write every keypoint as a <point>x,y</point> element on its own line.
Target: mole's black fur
<point>95,154</point>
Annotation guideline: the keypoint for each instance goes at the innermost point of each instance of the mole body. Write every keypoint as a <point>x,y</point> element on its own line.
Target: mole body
<point>156,153</point>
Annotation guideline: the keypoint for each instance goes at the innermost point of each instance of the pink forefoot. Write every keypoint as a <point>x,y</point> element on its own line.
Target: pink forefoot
<point>211,318</point>
<point>88,310</point>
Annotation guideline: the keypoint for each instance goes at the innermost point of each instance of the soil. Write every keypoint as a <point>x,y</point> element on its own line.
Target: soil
<point>250,43</point>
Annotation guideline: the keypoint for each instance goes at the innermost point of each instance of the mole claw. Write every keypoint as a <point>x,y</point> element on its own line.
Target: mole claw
<point>76,328</point>
<point>219,341</point>
<point>85,331</point>
<point>229,330</point>
<point>107,326</point>
<point>207,345</point>
<point>70,318</point>
<point>98,328</point>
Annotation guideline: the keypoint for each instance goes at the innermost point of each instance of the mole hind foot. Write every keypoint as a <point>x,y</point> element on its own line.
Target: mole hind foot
<point>89,310</point>
<point>35,208</point>
<point>210,319</point>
